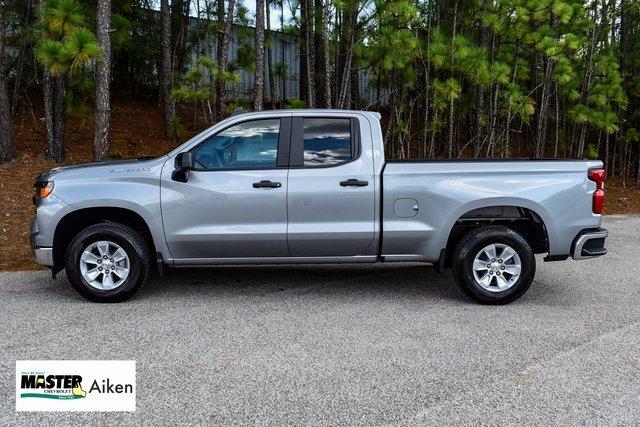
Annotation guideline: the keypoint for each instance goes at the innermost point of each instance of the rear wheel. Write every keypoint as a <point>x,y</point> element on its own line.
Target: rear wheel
<point>493,265</point>
<point>107,262</point>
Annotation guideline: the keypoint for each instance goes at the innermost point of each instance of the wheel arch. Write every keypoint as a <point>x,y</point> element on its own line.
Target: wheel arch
<point>75,221</point>
<point>528,219</point>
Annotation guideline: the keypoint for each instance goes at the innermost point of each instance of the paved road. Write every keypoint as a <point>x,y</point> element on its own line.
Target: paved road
<point>388,344</point>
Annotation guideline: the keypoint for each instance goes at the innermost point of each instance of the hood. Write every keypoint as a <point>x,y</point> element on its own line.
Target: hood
<point>141,164</point>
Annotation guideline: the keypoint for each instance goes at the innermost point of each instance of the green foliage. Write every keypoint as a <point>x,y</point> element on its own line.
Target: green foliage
<point>61,17</point>
<point>121,30</point>
<point>176,128</point>
<point>293,103</point>
<point>65,46</point>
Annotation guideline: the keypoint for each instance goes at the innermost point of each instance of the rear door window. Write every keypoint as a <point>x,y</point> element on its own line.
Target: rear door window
<point>327,141</point>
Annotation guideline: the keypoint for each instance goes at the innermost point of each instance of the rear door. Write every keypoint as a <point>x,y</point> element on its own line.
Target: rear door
<point>331,186</point>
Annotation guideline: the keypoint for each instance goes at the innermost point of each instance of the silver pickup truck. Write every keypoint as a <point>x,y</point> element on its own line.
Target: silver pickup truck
<point>313,186</point>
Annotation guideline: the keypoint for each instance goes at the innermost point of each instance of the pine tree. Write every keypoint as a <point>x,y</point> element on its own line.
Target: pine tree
<point>7,148</point>
<point>103,74</point>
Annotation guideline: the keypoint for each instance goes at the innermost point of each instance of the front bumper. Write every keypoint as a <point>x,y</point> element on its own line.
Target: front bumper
<point>44,256</point>
<point>589,244</point>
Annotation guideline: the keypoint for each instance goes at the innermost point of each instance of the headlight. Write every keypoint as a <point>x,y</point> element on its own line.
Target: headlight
<point>43,189</point>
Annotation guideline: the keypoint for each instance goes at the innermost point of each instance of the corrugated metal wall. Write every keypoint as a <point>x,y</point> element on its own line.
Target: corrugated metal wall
<point>283,46</point>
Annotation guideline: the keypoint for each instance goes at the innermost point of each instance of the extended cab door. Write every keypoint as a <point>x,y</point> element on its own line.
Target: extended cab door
<point>331,193</point>
<point>233,204</point>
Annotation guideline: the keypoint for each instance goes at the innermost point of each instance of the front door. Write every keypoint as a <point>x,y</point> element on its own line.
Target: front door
<point>331,187</point>
<point>233,204</point>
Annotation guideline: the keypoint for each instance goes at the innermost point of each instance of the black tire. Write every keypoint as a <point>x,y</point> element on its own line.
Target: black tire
<point>472,243</point>
<point>130,241</point>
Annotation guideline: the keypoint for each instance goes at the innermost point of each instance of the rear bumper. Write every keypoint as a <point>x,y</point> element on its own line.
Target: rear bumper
<point>589,244</point>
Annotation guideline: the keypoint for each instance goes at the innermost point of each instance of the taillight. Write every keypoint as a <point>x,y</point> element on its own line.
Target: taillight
<point>597,176</point>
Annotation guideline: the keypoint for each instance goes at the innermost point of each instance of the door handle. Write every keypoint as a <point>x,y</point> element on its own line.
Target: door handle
<point>267,184</point>
<point>353,183</point>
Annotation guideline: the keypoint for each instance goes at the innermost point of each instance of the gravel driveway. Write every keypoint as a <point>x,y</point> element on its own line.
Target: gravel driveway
<point>382,344</point>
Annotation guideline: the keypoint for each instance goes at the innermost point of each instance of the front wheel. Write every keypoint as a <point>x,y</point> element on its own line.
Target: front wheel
<point>493,265</point>
<point>107,262</point>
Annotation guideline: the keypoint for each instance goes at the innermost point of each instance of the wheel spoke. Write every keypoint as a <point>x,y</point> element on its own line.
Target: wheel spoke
<point>480,265</point>
<point>512,269</point>
<point>121,272</point>
<point>93,274</point>
<point>507,254</point>
<point>490,251</point>
<point>119,255</point>
<point>103,248</point>
<point>89,257</point>
<point>502,282</point>
<point>485,281</point>
<point>107,281</point>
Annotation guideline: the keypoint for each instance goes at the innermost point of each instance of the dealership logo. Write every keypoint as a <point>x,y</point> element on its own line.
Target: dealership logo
<point>82,385</point>
<point>52,386</point>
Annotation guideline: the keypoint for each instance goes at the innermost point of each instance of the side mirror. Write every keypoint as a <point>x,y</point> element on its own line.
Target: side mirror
<point>184,163</point>
<point>186,160</point>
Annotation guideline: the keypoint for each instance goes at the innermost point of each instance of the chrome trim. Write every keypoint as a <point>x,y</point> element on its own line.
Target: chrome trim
<point>44,256</point>
<point>584,238</point>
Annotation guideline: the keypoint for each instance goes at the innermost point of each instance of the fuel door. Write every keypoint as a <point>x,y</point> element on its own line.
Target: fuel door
<point>405,208</point>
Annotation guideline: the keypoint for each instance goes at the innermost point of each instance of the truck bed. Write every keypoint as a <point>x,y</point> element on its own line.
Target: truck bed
<point>444,190</point>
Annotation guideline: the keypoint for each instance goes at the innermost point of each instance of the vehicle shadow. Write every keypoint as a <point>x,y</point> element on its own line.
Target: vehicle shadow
<point>414,280</point>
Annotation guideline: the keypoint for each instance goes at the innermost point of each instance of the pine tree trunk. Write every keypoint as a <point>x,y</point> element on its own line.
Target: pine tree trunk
<point>55,152</point>
<point>477,137</point>
<point>167,65</point>
<point>282,56</point>
<point>586,86</point>
<point>7,148</point>
<point>21,57</point>
<point>221,89</point>
<point>494,122</point>
<point>272,86</point>
<point>179,12</point>
<point>327,64</point>
<point>302,49</point>
<point>47,91</point>
<point>348,32</point>
<point>557,136</point>
<point>48,94</point>
<point>432,142</point>
<point>103,69</point>
<point>219,37</point>
<point>258,95</point>
<point>450,133</point>
<point>541,130</point>
<point>309,54</point>
<point>638,173</point>
<point>451,111</point>
<point>317,16</point>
